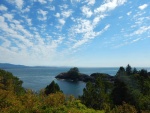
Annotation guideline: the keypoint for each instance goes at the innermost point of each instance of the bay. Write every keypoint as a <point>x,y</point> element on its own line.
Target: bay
<point>37,78</point>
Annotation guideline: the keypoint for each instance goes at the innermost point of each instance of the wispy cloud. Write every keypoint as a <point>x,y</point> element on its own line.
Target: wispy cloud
<point>74,1</point>
<point>90,2</point>
<point>52,8</point>
<point>42,14</point>
<point>141,30</point>
<point>67,13</point>
<point>57,15</point>
<point>88,36</point>
<point>18,41</point>
<point>8,16</point>
<point>42,1</point>
<point>62,16</point>
<point>61,21</point>
<point>63,7</point>
<point>43,30</point>
<point>85,29</point>
<point>3,8</point>
<point>18,3</point>
<point>109,5</point>
<point>129,13</point>
<point>27,9</point>
<point>6,42</point>
<point>86,11</point>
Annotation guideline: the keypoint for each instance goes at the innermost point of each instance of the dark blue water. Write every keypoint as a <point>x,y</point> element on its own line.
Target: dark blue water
<point>37,78</point>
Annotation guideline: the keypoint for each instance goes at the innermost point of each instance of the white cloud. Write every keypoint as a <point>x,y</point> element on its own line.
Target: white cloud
<point>3,8</point>
<point>129,13</point>
<point>52,8</point>
<point>120,17</point>
<point>8,16</point>
<point>42,1</point>
<point>66,14</point>
<point>4,26</point>
<point>2,19</point>
<point>141,30</point>
<point>19,3</point>
<point>106,27</point>
<point>97,19</point>
<point>42,15</point>
<point>83,26</point>
<point>88,36</point>
<point>109,5</point>
<point>74,1</point>
<point>16,22</point>
<point>86,11</point>
<point>42,12</point>
<point>90,2</point>
<point>57,15</point>
<point>15,31</point>
<point>142,7</point>
<point>61,21</point>
<point>6,42</point>
<point>64,6</point>
<point>84,30</point>
<point>29,21</point>
<point>25,46</point>
<point>136,40</point>
<point>27,9</point>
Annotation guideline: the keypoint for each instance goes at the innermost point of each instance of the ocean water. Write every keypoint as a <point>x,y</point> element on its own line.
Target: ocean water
<point>37,78</point>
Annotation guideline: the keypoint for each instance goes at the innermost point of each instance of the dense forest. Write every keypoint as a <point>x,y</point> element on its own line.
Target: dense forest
<point>129,92</point>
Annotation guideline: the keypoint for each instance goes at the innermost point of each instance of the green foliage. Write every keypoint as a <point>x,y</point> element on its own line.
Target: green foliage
<point>120,93</point>
<point>52,88</point>
<point>135,71</point>
<point>125,108</point>
<point>95,94</point>
<point>121,72</point>
<point>129,70</point>
<point>129,94</point>
<point>30,102</point>
<point>73,72</point>
<point>144,73</point>
<point>10,82</point>
<point>133,89</point>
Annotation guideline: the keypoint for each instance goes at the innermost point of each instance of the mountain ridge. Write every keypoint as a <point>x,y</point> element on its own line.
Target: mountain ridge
<point>8,65</point>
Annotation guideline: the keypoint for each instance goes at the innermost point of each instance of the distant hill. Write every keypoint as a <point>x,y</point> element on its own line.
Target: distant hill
<point>7,65</point>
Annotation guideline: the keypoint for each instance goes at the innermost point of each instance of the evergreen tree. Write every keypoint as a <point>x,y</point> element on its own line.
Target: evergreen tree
<point>144,73</point>
<point>129,70</point>
<point>10,82</point>
<point>120,92</point>
<point>135,71</point>
<point>94,95</point>
<point>73,71</point>
<point>52,88</point>
<point>121,72</point>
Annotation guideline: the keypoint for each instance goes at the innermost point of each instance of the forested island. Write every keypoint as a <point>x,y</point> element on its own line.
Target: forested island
<point>74,75</point>
<point>127,92</point>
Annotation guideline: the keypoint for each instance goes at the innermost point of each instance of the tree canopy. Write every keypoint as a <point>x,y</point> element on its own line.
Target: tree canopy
<point>74,71</point>
<point>52,88</point>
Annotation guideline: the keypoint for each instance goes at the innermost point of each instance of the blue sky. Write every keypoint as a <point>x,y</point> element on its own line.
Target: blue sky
<point>84,33</point>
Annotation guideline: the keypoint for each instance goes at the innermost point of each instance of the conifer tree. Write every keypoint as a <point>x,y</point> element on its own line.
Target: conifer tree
<point>52,88</point>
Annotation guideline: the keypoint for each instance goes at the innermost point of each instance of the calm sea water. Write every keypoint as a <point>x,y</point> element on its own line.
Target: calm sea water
<point>37,78</point>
